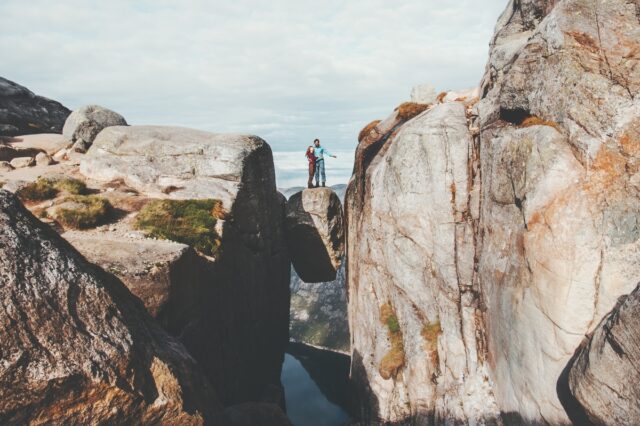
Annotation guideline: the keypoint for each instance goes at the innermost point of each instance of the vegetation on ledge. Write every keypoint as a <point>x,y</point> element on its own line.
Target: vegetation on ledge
<point>409,110</point>
<point>47,189</point>
<point>189,222</point>
<point>393,361</point>
<point>367,129</point>
<point>85,211</point>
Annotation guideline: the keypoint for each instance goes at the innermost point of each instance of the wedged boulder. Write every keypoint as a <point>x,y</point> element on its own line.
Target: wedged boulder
<point>84,124</point>
<point>603,377</point>
<point>315,233</point>
<point>22,112</point>
<point>318,314</point>
<point>77,347</point>
<point>559,141</point>
<point>166,276</point>
<point>238,330</point>
<point>20,162</point>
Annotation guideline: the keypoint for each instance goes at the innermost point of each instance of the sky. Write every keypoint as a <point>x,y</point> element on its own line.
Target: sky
<point>286,70</point>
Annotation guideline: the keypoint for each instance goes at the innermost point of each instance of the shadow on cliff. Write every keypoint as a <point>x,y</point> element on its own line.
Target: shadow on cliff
<point>241,329</point>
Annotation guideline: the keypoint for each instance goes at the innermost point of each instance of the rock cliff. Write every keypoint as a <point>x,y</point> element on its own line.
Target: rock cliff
<point>22,112</point>
<point>485,241</point>
<point>560,151</point>
<point>237,326</point>
<point>77,347</point>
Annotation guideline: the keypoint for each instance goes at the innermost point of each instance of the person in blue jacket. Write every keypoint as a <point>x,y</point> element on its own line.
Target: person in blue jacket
<point>320,152</point>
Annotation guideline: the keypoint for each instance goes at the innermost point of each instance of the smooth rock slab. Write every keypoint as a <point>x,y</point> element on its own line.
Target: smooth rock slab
<point>315,234</point>
<point>171,161</point>
<point>77,347</point>
<point>20,162</point>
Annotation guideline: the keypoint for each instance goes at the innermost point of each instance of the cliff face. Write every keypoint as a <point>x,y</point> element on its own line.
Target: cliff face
<point>413,307</point>
<point>483,244</point>
<point>560,151</point>
<point>231,310</point>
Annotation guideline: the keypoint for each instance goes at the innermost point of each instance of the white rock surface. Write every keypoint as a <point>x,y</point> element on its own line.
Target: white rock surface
<point>210,165</point>
<point>423,94</point>
<point>559,216</point>
<point>20,162</point>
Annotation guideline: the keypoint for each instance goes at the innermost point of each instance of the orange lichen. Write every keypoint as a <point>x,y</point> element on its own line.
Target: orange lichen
<point>537,121</point>
<point>585,40</point>
<point>367,129</point>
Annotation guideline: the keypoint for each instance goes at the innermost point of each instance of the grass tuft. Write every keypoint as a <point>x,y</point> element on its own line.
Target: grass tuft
<point>393,361</point>
<point>367,129</point>
<point>440,97</point>
<point>430,333</point>
<point>47,189</point>
<point>94,211</point>
<point>189,222</point>
<point>409,110</point>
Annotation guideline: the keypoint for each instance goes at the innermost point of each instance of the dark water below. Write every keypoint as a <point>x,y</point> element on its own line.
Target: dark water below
<point>316,386</point>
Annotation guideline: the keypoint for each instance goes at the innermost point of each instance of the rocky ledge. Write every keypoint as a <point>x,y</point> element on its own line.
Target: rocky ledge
<point>77,347</point>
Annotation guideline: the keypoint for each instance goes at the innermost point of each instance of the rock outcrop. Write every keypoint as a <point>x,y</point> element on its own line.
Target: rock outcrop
<point>77,347</point>
<point>560,145</point>
<point>315,234</point>
<point>413,305</point>
<point>166,276</point>
<point>603,377</point>
<point>238,330</point>
<point>503,236</point>
<point>22,112</point>
<point>84,124</point>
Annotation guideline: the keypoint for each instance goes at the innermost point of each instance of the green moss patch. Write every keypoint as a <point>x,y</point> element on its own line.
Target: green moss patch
<point>189,222</point>
<point>47,189</point>
<point>89,211</point>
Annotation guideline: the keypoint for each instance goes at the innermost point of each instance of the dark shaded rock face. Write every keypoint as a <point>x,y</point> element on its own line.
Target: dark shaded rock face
<point>315,234</point>
<point>22,112</point>
<point>77,347</point>
<point>604,377</point>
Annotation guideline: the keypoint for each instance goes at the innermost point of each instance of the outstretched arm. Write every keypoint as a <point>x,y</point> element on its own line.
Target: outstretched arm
<point>326,151</point>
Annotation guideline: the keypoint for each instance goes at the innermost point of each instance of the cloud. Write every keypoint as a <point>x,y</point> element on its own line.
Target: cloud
<point>288,71</point>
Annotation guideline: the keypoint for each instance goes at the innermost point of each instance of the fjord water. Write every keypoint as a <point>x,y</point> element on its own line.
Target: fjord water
<point>315,384</point>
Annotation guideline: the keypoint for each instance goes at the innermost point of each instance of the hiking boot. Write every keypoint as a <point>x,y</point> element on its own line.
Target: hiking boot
<point>323,185</point>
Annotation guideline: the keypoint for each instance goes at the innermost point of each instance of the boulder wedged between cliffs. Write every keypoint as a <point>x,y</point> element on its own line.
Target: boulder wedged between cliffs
<point>315,234</point>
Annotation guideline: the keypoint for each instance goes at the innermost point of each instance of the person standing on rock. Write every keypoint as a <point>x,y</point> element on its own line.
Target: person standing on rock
<point>311,157</point>
<point>319,153</point>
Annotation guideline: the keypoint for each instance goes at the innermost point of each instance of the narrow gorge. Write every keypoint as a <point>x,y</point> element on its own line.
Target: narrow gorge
<point>482,265</point>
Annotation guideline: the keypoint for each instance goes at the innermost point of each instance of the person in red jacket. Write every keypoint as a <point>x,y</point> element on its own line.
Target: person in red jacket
<point>311,157</point>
